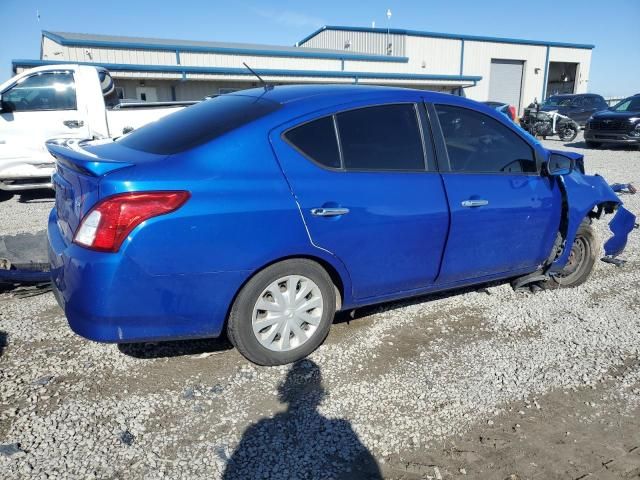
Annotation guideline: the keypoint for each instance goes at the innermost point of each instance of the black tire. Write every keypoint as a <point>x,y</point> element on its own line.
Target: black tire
<point>591,144</point>
<point>584,252</point>
<point>5,195</point>
<point>240,322</point>
<point>568,133</point>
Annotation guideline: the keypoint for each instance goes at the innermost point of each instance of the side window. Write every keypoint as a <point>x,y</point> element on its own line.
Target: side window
<point>384,137</point>
<point>317,140</point>
<point>477,143</point>
<point>43,91</point>
<point>109,92</point>
<point>577,102</point>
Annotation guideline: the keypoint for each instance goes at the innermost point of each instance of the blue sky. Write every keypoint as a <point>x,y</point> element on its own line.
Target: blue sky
<point>613,26</point>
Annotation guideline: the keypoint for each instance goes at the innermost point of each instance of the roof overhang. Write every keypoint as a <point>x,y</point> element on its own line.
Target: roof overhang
<point>290,75</point>
<point>452,36</point>
<point>268,51</point>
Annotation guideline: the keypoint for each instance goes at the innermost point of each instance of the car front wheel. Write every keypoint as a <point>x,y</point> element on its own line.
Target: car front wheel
<point>283,313</point>
<point>584,252</point>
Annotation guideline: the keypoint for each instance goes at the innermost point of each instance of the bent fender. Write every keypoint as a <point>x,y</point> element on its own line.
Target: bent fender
<point>582,193</point>
<point>621,225</point>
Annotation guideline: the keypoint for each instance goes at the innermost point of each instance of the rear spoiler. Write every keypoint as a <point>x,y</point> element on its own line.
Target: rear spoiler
<point>69,152</point>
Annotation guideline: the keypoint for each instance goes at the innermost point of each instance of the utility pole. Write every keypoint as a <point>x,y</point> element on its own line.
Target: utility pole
<point>389,46</point>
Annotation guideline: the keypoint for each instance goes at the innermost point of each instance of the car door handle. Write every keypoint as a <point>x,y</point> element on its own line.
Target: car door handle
<point>474,203</point>
<point>73,123</point>
<point>329,212</point>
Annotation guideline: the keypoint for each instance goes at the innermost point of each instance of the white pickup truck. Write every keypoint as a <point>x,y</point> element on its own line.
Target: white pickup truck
<point>62,101</point>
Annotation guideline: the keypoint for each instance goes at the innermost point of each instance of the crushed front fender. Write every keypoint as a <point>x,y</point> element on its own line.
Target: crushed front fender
<point>584,195</point>
<point>621,225</point>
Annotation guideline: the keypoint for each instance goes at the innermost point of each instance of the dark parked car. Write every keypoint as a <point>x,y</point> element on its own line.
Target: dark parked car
<point>261,213</point>
<point>578,107</point>
<point>620,124</point>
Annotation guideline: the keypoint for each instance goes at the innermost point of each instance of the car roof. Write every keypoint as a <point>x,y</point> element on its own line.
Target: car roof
<point>322,95</point>
<point>569,95</point>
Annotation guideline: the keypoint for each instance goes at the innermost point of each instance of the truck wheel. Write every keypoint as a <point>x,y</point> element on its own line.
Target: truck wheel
<point>584,251</point>
<point>283,313</point>
<point>591,144</point>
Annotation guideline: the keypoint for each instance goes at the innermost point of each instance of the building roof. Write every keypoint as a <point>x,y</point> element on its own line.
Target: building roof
<point>419,33</point>
<point>138,43</point>
<point>267,72</point>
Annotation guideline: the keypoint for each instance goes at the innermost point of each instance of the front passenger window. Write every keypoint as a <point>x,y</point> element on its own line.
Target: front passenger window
<point>42,91</point>
<point>477,143</point>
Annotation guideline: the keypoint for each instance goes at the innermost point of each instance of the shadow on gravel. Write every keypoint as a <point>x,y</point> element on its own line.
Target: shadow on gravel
<point>349,315</point>
<point>3,341</point>
<point>43,195</point>
<point>175,348</point>
<point>300,442</point>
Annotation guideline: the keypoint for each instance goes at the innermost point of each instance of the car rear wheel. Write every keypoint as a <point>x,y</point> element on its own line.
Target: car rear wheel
<point>283,313</point>
<point>584,252</point>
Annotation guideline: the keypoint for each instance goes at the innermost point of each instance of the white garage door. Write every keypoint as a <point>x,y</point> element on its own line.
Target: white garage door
<point>505,81</point>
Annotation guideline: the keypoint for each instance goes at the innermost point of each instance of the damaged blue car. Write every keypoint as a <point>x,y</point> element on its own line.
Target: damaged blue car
<point>259,214</point>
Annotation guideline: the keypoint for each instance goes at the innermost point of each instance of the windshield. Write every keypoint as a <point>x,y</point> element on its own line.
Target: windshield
<point>631,104</point>
<point>197,124</point>
<point>557,102</point>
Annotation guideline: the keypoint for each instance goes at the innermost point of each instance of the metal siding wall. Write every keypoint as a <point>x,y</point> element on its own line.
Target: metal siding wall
<point>257,62</point>
<point>116,55</point>
<point>477,61</point>
<point>440,55</point>
<point>361,42</point>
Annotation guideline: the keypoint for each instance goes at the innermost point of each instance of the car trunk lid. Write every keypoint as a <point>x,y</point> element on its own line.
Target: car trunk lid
<point>80,168</point>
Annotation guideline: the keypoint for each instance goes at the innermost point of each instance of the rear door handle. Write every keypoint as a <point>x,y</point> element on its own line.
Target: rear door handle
<point>474,203</point>
<point>329,212</point>
<point>73,123</point>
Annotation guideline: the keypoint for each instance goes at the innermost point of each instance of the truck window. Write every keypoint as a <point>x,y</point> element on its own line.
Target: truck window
<point>109,93</point>
<point>42,91</point>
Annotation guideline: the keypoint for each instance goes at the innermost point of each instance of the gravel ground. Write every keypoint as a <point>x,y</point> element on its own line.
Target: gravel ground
<point>485,383</point>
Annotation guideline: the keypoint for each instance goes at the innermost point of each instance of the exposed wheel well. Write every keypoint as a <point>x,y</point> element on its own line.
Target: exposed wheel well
<point>606,207</point>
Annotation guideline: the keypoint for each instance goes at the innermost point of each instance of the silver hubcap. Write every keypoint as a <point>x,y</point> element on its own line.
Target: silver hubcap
<point>287,313</point>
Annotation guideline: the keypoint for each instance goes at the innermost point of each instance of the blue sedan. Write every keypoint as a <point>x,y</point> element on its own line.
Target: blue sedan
<point>260,213</point>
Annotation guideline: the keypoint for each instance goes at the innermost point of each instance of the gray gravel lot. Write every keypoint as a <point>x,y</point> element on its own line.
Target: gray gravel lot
<point>485,383</point>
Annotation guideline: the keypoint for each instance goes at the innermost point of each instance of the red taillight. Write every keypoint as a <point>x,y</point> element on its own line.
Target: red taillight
<point>512,112</point>
<point>106,226</point>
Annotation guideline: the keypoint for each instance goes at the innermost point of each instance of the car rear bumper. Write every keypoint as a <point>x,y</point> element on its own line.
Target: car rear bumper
<point>107,297</point>
<point>610,137</point>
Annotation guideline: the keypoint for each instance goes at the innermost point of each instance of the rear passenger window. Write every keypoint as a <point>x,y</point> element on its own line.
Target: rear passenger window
<point>317,140</point>
<point>477,143</point>
<point>381,138</point>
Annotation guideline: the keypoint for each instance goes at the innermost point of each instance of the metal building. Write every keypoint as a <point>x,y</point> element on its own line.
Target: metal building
<point>483,68</point>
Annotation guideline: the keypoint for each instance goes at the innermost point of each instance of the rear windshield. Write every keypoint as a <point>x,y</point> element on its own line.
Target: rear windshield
<point>197,124</point>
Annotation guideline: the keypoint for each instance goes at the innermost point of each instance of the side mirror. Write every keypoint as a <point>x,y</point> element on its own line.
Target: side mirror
<point>558,165</point>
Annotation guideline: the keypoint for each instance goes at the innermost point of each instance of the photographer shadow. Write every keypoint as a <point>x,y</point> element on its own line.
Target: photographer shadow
<point>300,443</point>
